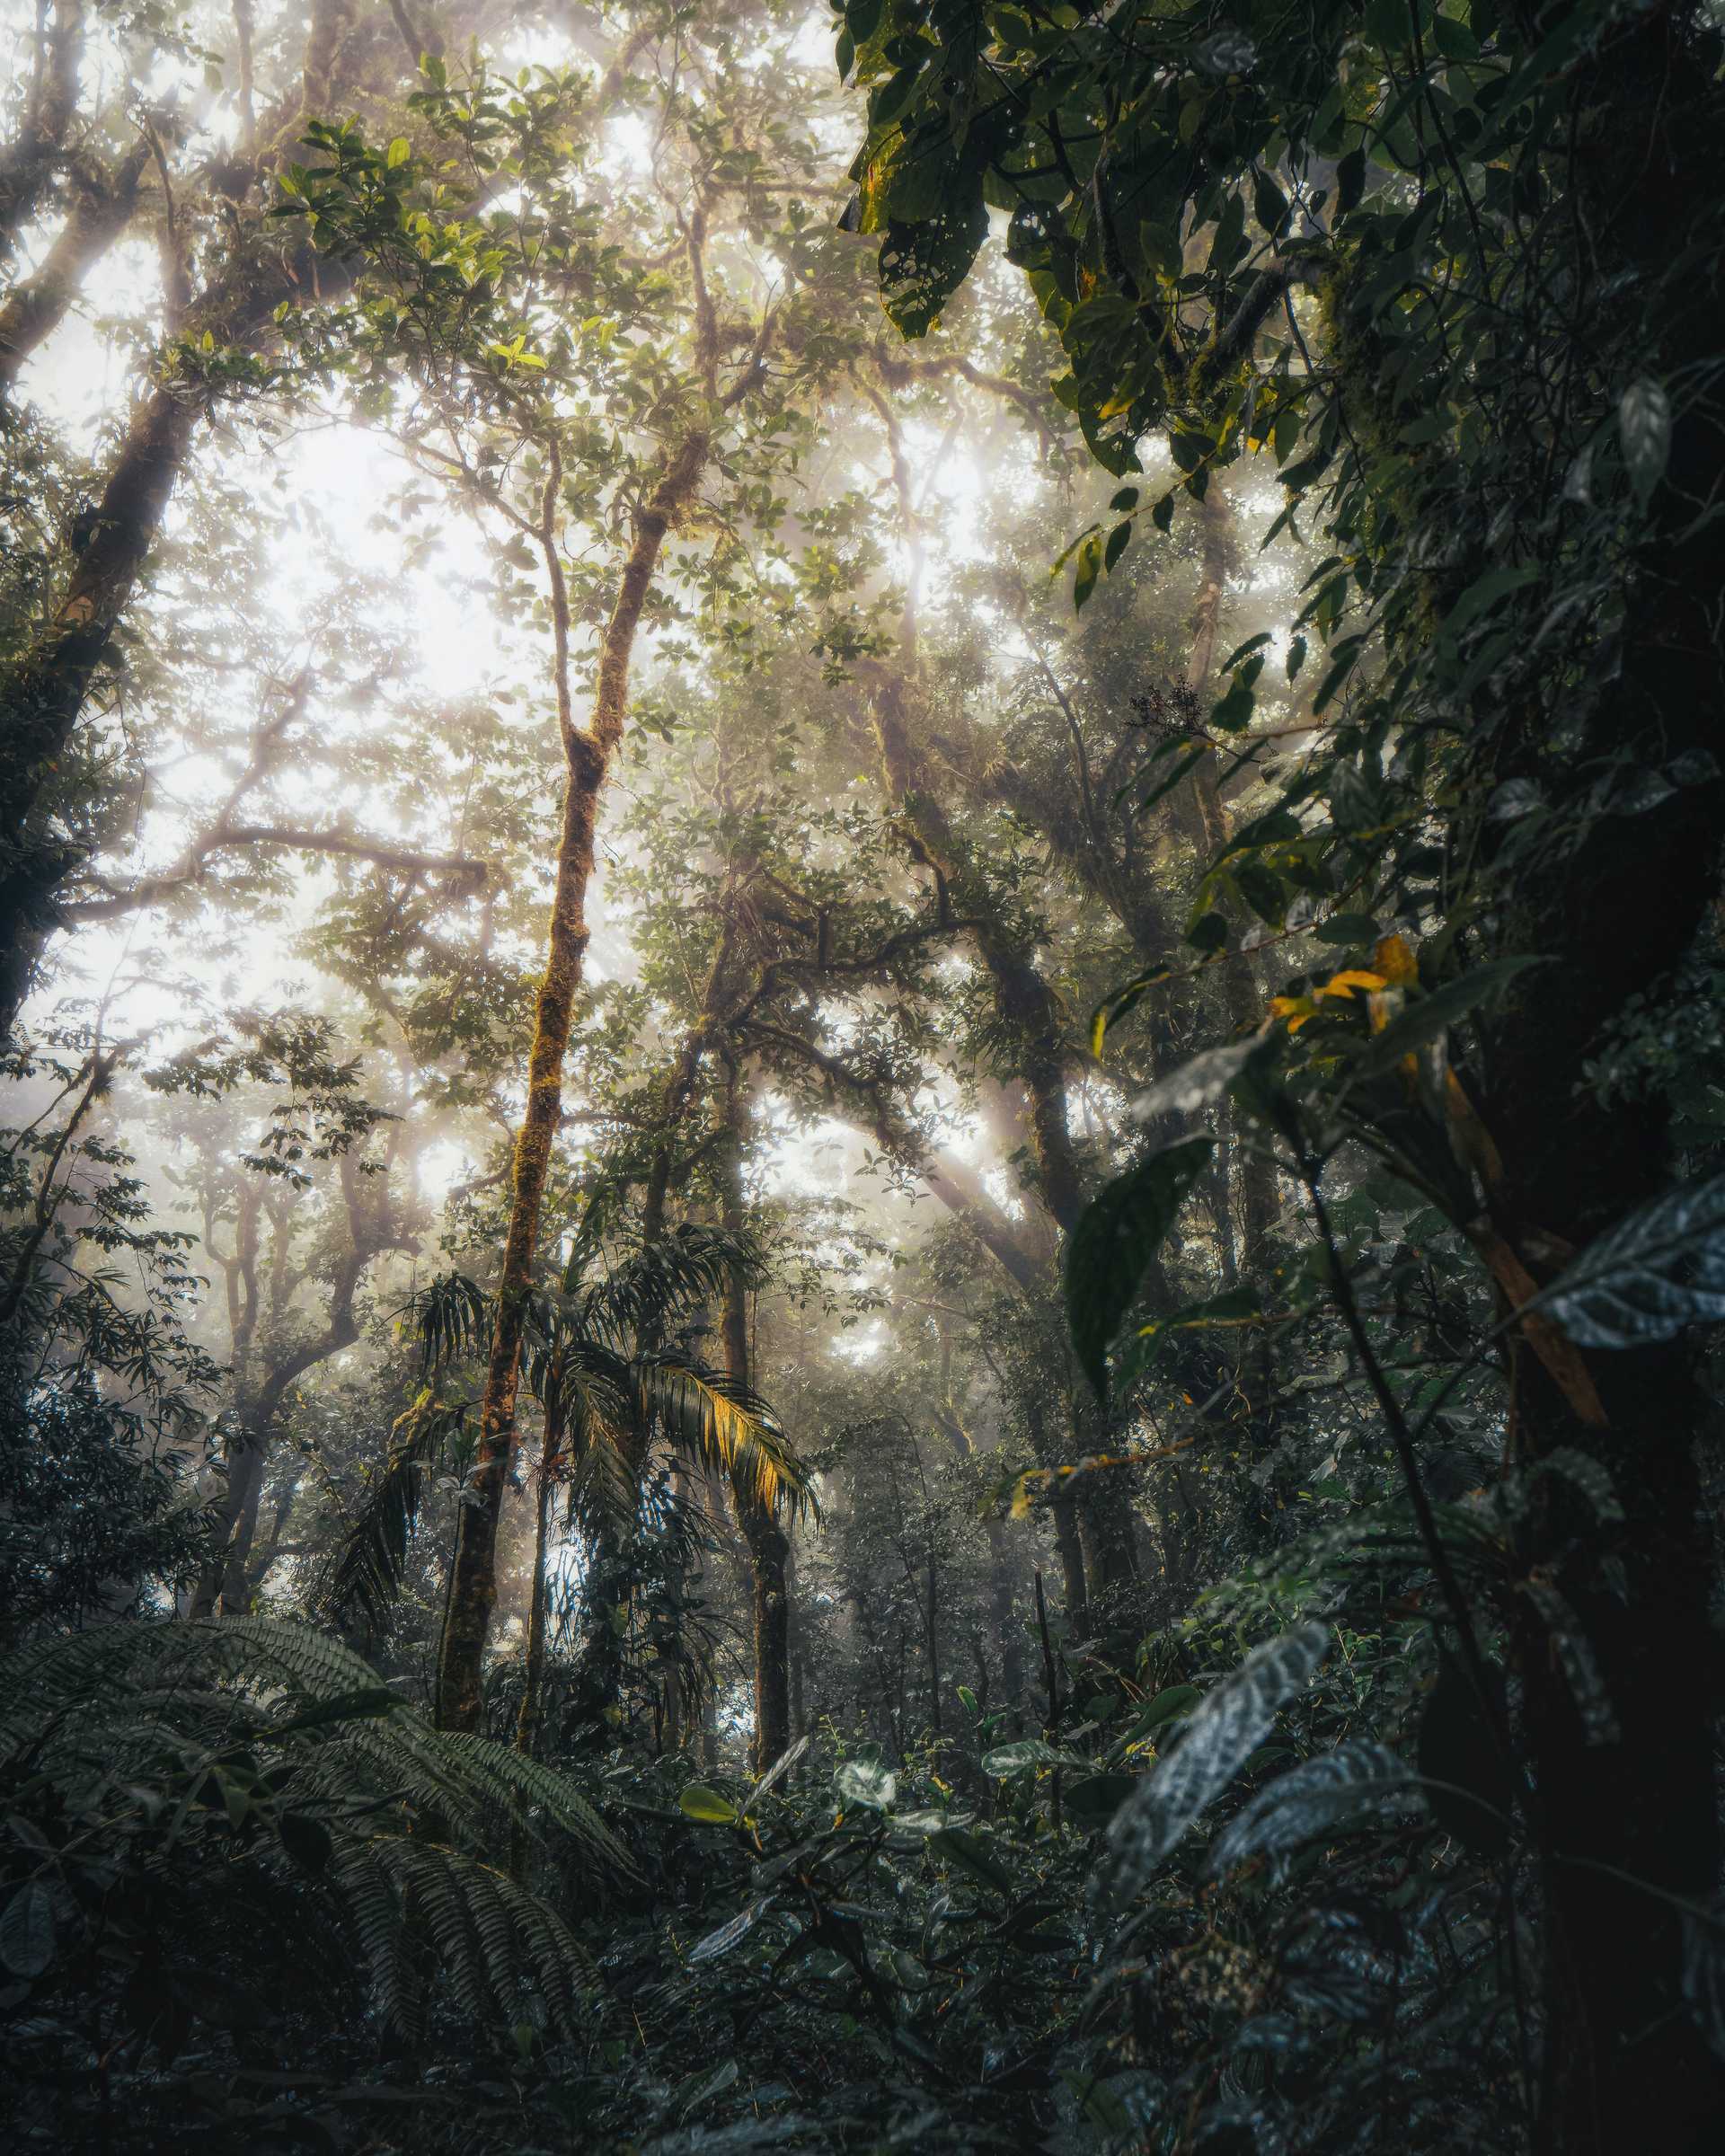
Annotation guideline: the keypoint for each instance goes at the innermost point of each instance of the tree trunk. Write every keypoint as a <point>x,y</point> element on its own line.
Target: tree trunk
<point>43,692</point>
<point>28,162</point>
<point>532,1672</point>
<point>473,1592</point>
<point>1631,1815</point>
<point>769,1547</point>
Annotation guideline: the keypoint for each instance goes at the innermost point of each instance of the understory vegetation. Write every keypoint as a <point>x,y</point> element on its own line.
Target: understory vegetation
<point>862,1146</point>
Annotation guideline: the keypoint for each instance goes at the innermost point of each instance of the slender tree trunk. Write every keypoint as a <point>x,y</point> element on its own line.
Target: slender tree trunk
<point>769,1547</point>
<point>28,164</point>
<point>533,1673</point>
<point>473,1585</point>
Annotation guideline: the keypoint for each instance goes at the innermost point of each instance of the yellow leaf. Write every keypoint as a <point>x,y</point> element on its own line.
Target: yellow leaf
<point>1344,983</point>
<point>1396,962</point>
<point>1295,1009</point>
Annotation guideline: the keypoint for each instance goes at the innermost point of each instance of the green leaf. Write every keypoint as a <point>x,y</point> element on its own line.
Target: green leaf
<point>970,1854</point>
<point>365,1703</point>
<point>726,1936</point>
<point>1483,594</point>
<point>708,1806</point>
<point>1166,1707</point>
<point>922,265</point>
<point>889,101</point>
<point>1093,1802</point>
<point>1232,1723</point>
<point>702,2086</point>
<point>1114,1243</point>
<point>27,1929</point>
<point>1350,180</point>
<point>1028,1752</point>
<point>1660,1271</point>
<point>1353,929</point>
<point>1087,568</point>
<point>866,1781</point>
<point>1644,429</point>
<point>399,152</point>
<point>1359,1779</point>
<point>1234,1307</point>
<point>1194,1085</point>
<point>1268,203</point>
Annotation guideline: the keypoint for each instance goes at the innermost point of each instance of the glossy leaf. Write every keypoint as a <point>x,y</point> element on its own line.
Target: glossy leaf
<point>1360,1778</point>
<point>1232,1721</point>
<point>707,1807</point>
<point>1658,1271</point>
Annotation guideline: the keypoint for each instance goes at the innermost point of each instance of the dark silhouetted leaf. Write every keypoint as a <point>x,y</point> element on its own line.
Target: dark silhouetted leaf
<point>27,1929</point>
<point>1093,1802</point>
<point>1113,1244</point>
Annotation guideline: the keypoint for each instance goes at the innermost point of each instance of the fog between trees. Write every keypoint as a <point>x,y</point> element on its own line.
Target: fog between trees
<point>863,1077</point>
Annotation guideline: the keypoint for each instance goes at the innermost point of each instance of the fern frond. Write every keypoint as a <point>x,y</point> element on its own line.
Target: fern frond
<point>452,1317</point>
<point>512,1779</point>
<point>412,1811</point>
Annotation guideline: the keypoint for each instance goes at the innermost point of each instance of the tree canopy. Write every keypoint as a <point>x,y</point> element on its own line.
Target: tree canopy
<point>862,1169</point>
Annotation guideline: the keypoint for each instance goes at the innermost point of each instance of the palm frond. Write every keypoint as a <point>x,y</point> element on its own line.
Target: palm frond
<point>642,1294</point>
<point>365,1572</point>
<point>727,1427</point>
<point>451,1317</point>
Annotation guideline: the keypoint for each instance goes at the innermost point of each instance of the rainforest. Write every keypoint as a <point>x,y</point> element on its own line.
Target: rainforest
<point>863,1077</point>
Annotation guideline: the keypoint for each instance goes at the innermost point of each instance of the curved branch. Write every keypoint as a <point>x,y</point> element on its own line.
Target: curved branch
<point>465,873</point>
<point>866,1101</point>
<point>898,373</point>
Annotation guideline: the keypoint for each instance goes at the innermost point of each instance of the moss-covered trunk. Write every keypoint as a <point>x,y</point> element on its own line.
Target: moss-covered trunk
<point>473,1586</point>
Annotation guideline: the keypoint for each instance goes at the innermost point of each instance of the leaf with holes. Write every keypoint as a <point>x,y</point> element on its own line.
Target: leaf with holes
<point>1659,1270</point>
<point>1232,1723</point>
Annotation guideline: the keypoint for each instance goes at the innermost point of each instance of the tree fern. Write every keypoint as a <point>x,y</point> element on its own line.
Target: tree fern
<point>283,1744</point>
